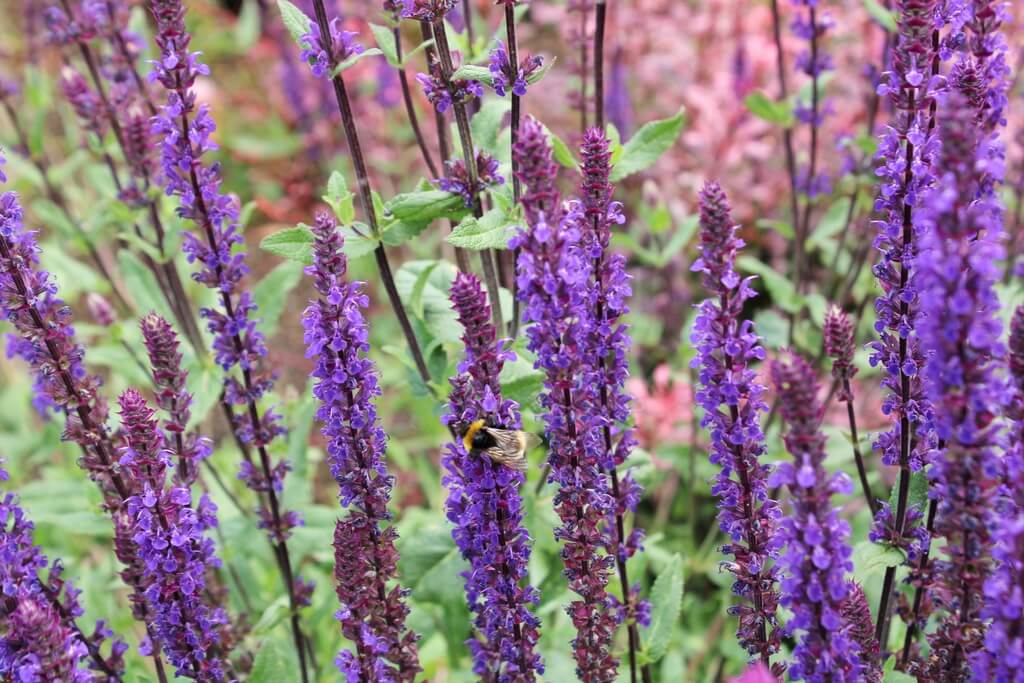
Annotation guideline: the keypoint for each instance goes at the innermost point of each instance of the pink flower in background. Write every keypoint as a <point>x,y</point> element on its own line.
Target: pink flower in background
<point>664,409</point>
<point>757,673</point>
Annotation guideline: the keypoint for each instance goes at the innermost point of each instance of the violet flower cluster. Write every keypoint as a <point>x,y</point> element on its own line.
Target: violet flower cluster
<point>169,383</point>
<point>186,129</point>
<point>426,10</point>
<point>960,250</point>
<point>817,556</point>
<point>553,275</point>
<point>39,638</point>
<point>168,533</point>
<point>811,25</point>
<point>731,396</point>
<point>456,178</point>
<point>321,61</point>
<point>607,348</point>
<point>505,76</point>
<point>484,503</point>
<point>1003,651</point>
<point>443,95</point>
<point>372,614</point>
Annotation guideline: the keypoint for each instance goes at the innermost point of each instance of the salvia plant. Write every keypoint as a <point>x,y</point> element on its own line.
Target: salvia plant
<point>535,374</point>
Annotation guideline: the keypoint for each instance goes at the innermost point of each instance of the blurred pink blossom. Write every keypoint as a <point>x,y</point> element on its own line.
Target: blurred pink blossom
<point>664,409</point>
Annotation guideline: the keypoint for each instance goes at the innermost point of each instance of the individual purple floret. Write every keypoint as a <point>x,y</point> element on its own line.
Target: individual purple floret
<point>343,44</point>
<point>731,396</point>
<point>217,246</point>
<point>1002,658</point>
<point>484,503</point>
<point>372,614</point>
<point>960,252</point>
<point>39,639</point>
<point>505,77</point>
<point>817,556</point>
<point>553,281</point>
<point>168,534</point>
<point>441,95</point>
<point>188,448</point>
<point>456,178</point>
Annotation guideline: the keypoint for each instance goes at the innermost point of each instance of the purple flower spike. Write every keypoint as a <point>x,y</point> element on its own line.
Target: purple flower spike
<point>171,395</point>
<point>857,615</point>
<point>343,43</point>
<point>839,344</point>
<point>427,10</point>
<point>39,639</point>
<point>960,250</point>
<point>505,77</point>
<point>1003,652</point>
<point>216,246</point>
<point>537,173</point>
<point>817,555</point>
<point>168,535</point>
<point>372,614</point>
<point>731,396</point>
<point>456,179</point>
<point>484,504</point>
<point>553,277</point>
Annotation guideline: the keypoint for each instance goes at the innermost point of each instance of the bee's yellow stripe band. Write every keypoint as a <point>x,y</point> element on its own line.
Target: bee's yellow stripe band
<point>467,438</point>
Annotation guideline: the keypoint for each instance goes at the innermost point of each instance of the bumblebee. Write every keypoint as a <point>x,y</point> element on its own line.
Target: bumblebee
<point>504,446</point>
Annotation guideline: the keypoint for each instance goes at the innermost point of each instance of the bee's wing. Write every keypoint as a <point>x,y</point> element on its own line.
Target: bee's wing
<point>531,440</point>
<point>511,448</point>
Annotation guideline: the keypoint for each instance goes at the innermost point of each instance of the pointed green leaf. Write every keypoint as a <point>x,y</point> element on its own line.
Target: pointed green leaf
<point>295,244</point>
<point>472,72</point>
<point>386,42</point>
<point>648,144</point>
<point>339,198</point>
<point>425,206</point>
<point>271,293</point>
<point>493,230</point>
<point>354,59</point>
<point>295,20</point>
<point>666,600</point>
<point>763,107</point>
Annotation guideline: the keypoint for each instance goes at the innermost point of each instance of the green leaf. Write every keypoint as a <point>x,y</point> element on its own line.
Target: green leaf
<point>425,206</point>
<point>870,558</point>
<point>416,301</point>
<point>772,327</point>
<point>386,42</point>
<point>666,599</point>
<point>885,17</point>
<point>294,244</point>
<point>274,661</point>
<point>779,287</point>
<point>561,151</point>
<point>647,144</point>
<point>493,230</point>
<point>520,381</point>
<point>438,316</point>
<point>53,217</point>
<point>416,50</point>
<point>295,20</point>
<point>358,245</point>
<point>205,382</point>
<point>831,223</point>
<point>338,197</point>
<point>772,111</point>
<point>472,72</point>
<point>271,293</point>
<point>247,28</point>
<point>355,59</point>
<point>891,675</point>
<point>400,232</point>
<point>917,492</point>
<point>542,71</point>
<point>430,564</point>
<point>784,228</point>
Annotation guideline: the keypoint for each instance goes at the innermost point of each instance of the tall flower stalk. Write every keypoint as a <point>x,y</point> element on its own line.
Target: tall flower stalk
<point>817,556</point>
<point>372,614</point>
<point>1004,598</point>
<point>484,503</point>
<point>325,39</point>
<point>39,636</point>
<point>905,157</point>
<point>169,535</point>
<point>959,252</point>
<point>239,348</point>
<point>732,400</point>
<point>553,276</point>
<point>608,343</point>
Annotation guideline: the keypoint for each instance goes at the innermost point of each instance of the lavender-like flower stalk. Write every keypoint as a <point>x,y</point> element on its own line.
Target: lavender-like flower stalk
<point>484,503</point>
<point>732,400</point>
<point>857,615</point>
<point>372,614</point>
<point>817,557</point>
<point>905,158</point>
<point>553,280</point>
<point>1003,651</point>
<point>839,342</point>
<point>608,344</point>
<point>39,637</point>
<point>168,533</point>
<point>216,245</point>
<point>959,252</point>
<point>173,398</point>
